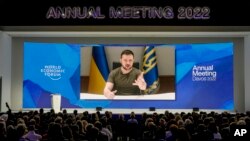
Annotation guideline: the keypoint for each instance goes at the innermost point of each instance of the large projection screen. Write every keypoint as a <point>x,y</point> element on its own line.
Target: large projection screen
<point>203,77</point>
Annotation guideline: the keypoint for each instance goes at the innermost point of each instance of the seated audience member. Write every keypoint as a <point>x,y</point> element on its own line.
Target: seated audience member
<point>31,135</point>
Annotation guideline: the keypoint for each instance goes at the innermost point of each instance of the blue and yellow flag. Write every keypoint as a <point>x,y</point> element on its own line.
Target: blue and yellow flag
<point>150,70</point>
<point>99,70</point>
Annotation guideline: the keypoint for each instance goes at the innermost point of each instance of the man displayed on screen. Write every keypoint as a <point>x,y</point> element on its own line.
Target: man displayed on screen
<point>125,80</point>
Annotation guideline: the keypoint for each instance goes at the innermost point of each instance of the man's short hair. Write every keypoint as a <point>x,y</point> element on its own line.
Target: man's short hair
<point>127,52</point>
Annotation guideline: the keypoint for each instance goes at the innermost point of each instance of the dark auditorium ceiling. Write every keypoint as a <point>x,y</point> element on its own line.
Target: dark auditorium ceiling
<point>129,28</point>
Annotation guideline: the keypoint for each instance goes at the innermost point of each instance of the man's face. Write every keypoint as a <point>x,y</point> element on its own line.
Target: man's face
<point>127,61</point>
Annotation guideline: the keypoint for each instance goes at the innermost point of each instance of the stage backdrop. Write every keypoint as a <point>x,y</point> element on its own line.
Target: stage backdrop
<point>204,77</point>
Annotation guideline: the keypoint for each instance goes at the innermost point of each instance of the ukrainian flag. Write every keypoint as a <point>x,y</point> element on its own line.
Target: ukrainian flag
<point>99,70</point>
<point>150,70</point>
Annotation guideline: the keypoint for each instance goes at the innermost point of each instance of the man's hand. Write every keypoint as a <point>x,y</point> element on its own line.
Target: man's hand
<point>110,95</point>
<point>140,82</point>
<point>108,90</point>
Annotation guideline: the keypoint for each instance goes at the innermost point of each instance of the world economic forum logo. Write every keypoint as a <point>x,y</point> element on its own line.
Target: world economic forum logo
<point>54,72</point>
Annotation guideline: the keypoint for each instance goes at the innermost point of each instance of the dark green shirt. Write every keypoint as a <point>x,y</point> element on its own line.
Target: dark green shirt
<point>123,83</point>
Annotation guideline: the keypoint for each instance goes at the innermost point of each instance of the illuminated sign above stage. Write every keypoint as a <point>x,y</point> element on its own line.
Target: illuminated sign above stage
<point>125,12</point>
<point>128,12</point>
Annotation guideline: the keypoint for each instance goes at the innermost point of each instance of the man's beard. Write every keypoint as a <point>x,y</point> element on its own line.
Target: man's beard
<point>128,67</point>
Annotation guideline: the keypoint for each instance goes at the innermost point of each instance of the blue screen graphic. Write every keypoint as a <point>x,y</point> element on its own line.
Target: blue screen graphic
<point>204,75</point>
<point>203,78</point>
<point>50,69</point>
